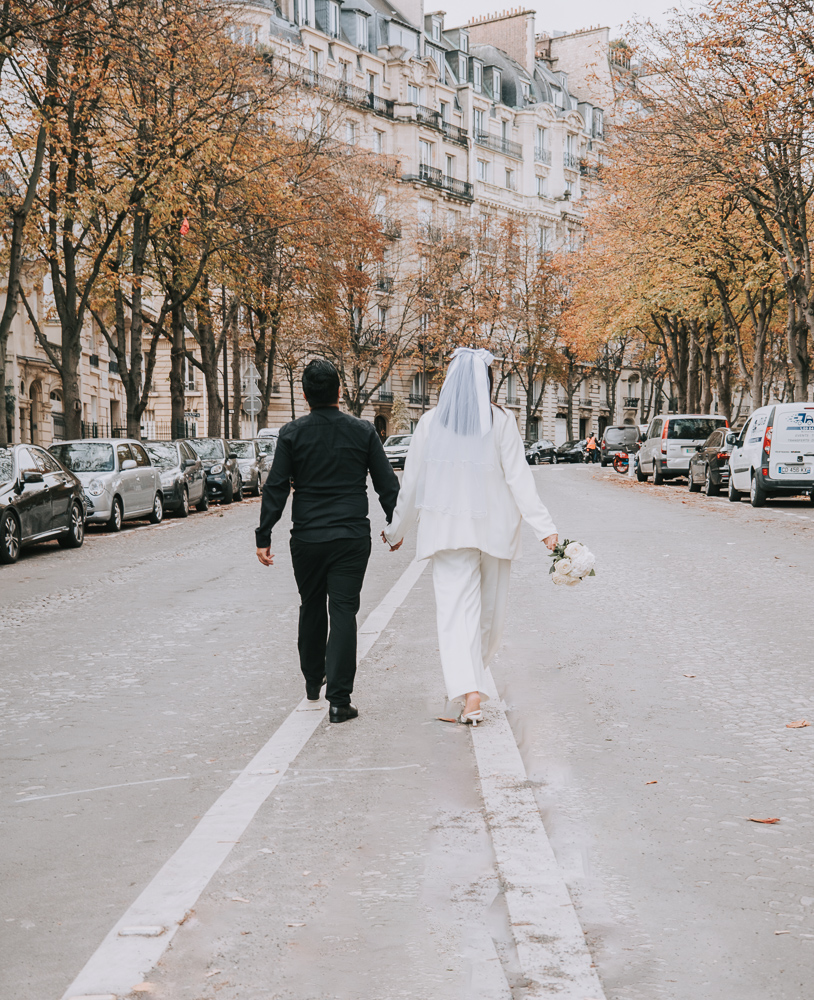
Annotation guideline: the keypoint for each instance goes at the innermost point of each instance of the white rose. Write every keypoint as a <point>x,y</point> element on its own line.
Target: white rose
<point>582,559</point>
<point>563,574</point>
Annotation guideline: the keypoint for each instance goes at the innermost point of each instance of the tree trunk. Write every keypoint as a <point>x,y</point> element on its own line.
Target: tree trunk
<point>178,354</point>
<point>706,373</point>
<point>797,336</point>
<point>209,366</point>
<point>69,376</point>
<point>237,386</point>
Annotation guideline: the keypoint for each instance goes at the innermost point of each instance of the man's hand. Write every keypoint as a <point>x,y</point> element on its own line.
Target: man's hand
<point>265,556</point>
<point>393,548</point>
<point>550,542</point>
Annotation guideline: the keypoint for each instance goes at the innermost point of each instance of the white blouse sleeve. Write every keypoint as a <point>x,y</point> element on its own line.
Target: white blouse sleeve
<point>520,480</point>
<point>405,514</point>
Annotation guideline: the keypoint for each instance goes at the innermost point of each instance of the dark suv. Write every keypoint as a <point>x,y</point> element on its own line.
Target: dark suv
<point>618,439</point>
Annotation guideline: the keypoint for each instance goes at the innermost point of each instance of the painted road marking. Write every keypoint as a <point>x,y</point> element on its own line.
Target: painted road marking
<point>550,941</point>
<point>120,962</point>
<point>104,788</point>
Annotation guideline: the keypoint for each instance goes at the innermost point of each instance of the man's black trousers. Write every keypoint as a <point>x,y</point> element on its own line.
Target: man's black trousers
<point>329,578</point>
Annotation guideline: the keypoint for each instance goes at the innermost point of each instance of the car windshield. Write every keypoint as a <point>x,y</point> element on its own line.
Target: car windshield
<point>243,449</point>
<point>6,465</point>
<point>566,445</point>
<point>396,439</point>
<point>208,447</point>
<point>164,456</point>
<point>692,428</point>
<point>618,435</point>
<point>85,456</point>
<point>267,445</point>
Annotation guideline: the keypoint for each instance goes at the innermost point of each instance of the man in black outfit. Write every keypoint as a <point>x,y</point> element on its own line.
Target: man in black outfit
<point>326,457</point>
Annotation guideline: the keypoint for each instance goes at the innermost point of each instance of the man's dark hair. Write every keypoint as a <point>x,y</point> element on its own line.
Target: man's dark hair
<point>320,383</point>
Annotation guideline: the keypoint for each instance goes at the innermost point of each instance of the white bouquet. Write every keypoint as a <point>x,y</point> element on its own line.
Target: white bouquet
<point>572,563</point>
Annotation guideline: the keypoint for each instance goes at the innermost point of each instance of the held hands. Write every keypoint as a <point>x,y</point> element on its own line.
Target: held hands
<point>393,548</point>
<point>550,542</point>
<point>265,556</point>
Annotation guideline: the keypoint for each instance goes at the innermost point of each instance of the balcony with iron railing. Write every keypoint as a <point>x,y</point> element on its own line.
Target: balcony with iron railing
<point>416,399</point>
<point>512,400</point>
<point>341,90</point>
<point>436,178</point>
<point>384,283</point>
<point>113,367</point>
<point>427,116</point>
<point>562,399</point>
<point>455,133</point>
<point>585,403</point>
<point>93,360</point>
<point>542,155</point>
<point>588,170</point>
<point>390,227</point>
<point>570,161</point>
<point>499,145</point>
<point>385,396</point>
<point>631,402</point>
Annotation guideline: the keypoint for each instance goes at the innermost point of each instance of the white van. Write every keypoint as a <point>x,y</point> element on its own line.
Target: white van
<point>774,454</point>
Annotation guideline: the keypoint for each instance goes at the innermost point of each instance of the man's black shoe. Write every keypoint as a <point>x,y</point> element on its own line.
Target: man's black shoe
<point>312,693</point>
<point>341,713</point>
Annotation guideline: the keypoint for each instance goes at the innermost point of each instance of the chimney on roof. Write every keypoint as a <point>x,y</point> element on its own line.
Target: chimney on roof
<point>512,31</point>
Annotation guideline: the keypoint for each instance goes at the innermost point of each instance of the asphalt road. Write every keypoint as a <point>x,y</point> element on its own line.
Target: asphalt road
<point>141,674</point>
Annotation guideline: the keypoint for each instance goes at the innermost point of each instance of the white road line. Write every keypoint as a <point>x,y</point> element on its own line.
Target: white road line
<point>550,941</point>
<point>121,962</point>
<point>104,788</point>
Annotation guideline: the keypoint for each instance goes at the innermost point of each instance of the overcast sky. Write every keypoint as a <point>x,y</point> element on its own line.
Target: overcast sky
<point>562,15</point>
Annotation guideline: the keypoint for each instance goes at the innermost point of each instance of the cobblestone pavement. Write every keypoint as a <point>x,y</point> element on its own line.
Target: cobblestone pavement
<point>141,674</point>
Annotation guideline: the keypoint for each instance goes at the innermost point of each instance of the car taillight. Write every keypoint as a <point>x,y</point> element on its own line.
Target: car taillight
<point>664,437</point>
<point>604,443</point>
<point>767,441</point>
<point>723,456</point>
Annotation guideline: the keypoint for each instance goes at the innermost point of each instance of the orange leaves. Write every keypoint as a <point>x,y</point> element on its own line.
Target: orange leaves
<point>800,724</point>
<point>773,819</point>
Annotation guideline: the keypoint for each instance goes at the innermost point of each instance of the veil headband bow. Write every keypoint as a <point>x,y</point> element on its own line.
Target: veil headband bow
<point>468,374</point>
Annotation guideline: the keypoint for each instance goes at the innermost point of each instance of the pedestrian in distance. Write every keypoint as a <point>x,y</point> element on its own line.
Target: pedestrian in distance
<point>467,483</point>
<point>592,448</point>
<point>326,456</point>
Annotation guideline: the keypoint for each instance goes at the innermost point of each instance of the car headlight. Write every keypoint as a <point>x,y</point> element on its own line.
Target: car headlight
<point>216,470</point>
<point>167,478</point>
<point>96,487</point>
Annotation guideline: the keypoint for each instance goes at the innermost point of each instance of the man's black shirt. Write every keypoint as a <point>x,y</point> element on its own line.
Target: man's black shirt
<point>326,457</point>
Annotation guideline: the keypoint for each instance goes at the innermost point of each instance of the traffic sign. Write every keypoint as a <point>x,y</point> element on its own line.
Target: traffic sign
<point>252,405</point>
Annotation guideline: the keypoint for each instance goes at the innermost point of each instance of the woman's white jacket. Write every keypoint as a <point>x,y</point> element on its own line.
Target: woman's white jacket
<point>511,496</point>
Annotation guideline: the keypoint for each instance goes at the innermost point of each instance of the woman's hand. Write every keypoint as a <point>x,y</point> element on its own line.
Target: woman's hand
<point>392,547</point>
<point>551,542</point>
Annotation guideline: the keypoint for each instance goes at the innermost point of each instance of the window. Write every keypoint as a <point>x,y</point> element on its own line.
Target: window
<point>655,429</point>
<point>477,76</point>
<point>436,30</point>
<point>139,454</point>
<point>479,129</point>
<point>314,59</point>
<point>123,454</point>
<point>542,187</point>
<point>425,152</point>
<point>345,68</point>
<point>382,318</point>
<point>546,238</point>
<point>361,31</point>
<point>510,179</point>
<point>333,19</point>
<point>569,144</point>
<point>505,130</point>
<point>189,376</point>
<point>450,166</point>
<point>598,124</point>
<point>464,43</point>
<point>496,81</point>
<point>483,170</point>
<point>378,141</point>
<point>526,89</point>
<point>413,94</point>
<point>350,133</point>
<point>542,138</point>
<point>463,72</point>
<point>373,83</point>
<point>570,189</point>
<point>444,106</point>
<point>302,11</point>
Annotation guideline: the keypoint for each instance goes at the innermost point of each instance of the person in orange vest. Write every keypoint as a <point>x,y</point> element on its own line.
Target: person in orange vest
<point>592,447</point>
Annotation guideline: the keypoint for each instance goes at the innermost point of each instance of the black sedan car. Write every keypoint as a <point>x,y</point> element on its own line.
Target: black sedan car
<point>541,451</point>
<point>39,500</point>
<point>223,480</point>
<point>572,451</point>
<point>709,466</point>
<point>183,480</point>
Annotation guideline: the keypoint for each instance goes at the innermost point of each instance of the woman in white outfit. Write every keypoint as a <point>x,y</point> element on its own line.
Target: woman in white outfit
<point>467,483</point>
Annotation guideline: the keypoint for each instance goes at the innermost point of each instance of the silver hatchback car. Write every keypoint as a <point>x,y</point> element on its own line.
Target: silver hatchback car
<point>119,480</point>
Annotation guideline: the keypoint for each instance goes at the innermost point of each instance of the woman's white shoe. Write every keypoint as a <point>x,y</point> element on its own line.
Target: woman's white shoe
<point>471,718</point>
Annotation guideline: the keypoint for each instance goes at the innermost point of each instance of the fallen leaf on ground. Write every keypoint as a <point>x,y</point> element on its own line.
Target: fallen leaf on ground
<point>214,972</point>
<point>443,718</point>
<point>296,925</point>
<point>772,819</point>
<point>186,916</point>
<point>143,988</point>
<point>307,873</point>
<point>800,724</point>
<point>651,782</point>
<point>782,932</point>
<point>689,675</point>
<point>239,899</point>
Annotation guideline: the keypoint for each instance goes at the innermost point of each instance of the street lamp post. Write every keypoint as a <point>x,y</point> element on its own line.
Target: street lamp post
<point>423,374</point>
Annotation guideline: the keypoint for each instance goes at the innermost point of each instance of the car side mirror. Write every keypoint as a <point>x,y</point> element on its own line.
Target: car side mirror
<point>731,438</point>
<point>232,454</point>
<point>188,462</point>
<point>128,463</point>
<point>32,477</point>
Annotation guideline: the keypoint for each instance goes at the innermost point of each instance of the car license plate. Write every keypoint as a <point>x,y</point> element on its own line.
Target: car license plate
<point>688,451</point>
<point>794,470</point>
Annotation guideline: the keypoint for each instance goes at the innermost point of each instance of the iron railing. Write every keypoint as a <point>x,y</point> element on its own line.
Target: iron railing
<point>542,155</point>
<point>390,227</point>
<point>499,145</point>
<point>455,133</point>
<point>512,400</point>
<point>100,429</point>
<point>342,91</point>
<point>93,360</point>
<point>586,404</point>
<point>113,367</point>
<point>437,178</point>
<point>384,283</point>
<point>562,400</point>
<point>570,161</point>
<point>416,399</point>
<point>385,396</point>
<point>632,402</point>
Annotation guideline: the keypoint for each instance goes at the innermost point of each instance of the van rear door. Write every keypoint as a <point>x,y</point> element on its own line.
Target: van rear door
<point>792,454</point>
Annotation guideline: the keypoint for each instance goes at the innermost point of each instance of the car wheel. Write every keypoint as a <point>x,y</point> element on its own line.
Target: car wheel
<point>710,488</point>
<point>9,539</point>
<point>757,495</point>
<point>228,492</point>
<point>692,487</point>
<point>603,462</point>
<point>116,516</point>
<point>203,504</point>
<point>641,476</point>
<point>183,510</point>
<point>76,529</point>
<point>733,494</point>
<point>239,494</point>
<point>811,496</point>
<point>535,459</point>
<point>157,515</point>
<point>658,478</point>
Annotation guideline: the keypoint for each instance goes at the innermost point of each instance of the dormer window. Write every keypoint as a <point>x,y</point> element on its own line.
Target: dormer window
<point>463,72</point>
<point>436,29</point>
<point>333,19</point>
<point>464,43</point>
<point>477,76</point>
<point>526,88</point>
<point>496,84</point>
<point>361,31</point>
<point>303,11</point>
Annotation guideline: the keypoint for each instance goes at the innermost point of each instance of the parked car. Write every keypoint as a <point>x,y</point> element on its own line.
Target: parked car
<point>183,480</point>
<point>774,454</point>
<point>268,432</point>
<point>670,443</point>
<point>267,446</point>
<point>572,451</point>
<point>120,481</point>
<point>39,500</point>
<point>223,480</point>
<point>616,440</point>
<point>254,464</point>
<point>709,466</point>
<point>396,448</point>
<point>541,451</point>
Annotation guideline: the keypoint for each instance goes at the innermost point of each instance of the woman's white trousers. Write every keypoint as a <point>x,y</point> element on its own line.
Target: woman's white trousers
<point>471,591</point>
